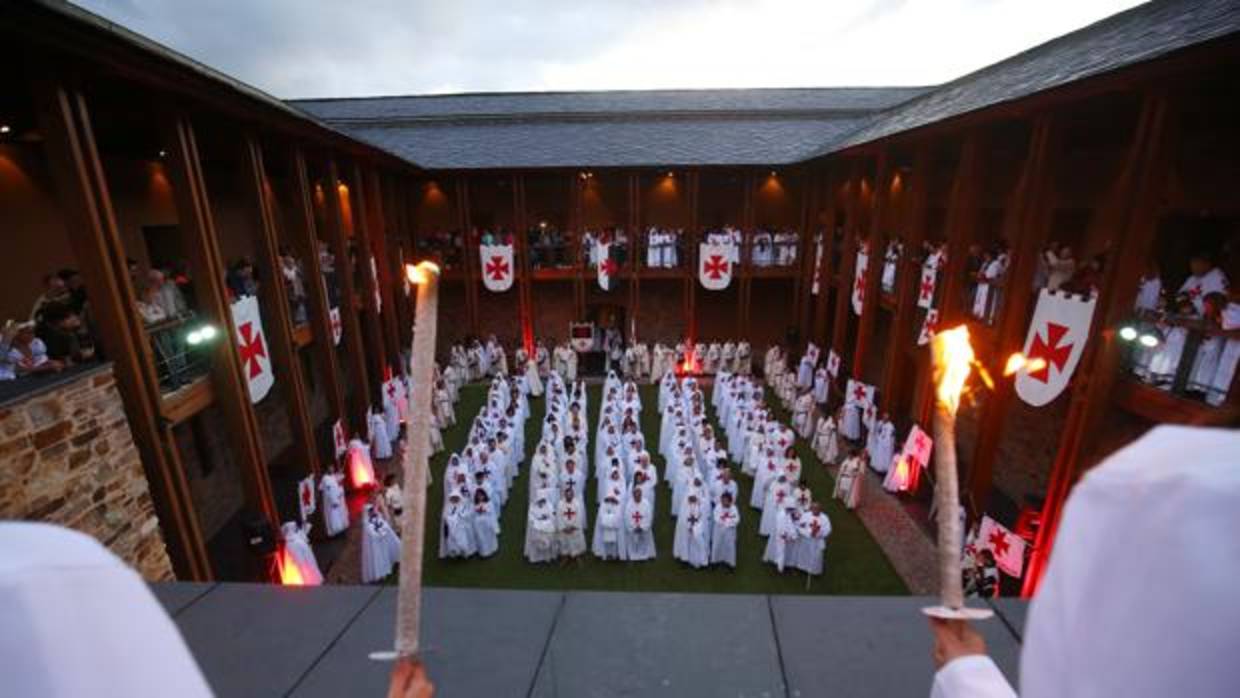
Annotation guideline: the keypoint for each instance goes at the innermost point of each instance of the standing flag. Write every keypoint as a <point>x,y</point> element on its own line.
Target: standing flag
<point>252,348</point>
<point>607,266</point>
<point>859,394</point>
<point>1056,340</point>
<point>340,438</point>
<point>714,269</point>
<point>497,267</point>
<point>305,497</point>
<point>374,274</point>
<point>833,364</point>
<point>858,292</point>
<point>918,446</point>
<point>1007,547</point>
<point>925,290</point>
<point>337,327</point>
<point>929,324</point>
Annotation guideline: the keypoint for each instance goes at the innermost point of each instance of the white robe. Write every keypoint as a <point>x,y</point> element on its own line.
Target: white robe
<point>335,508</point>
<point>723,535</point>
<point>486,529</point>
<point>848,482</point>
<point>533,383</point>
<point>380,443</point>
<point>456,531</point>
<point>608,531</point>
<point>639,532</point>
<point>782,543</point>
<point>826,445</point>
<point>570,521</point>
<point>540,530</point>
<point>882,446</point>
<point>692,540</point>
<point>812,542</point>
<point>361,469</point>
<point>380,546</point>
<point>297,547</point>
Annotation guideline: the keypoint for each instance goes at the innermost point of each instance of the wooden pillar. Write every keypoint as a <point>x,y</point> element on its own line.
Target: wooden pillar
<point>635,258</point>
<point>82,191</point>
<point>582,254</point>
<point>228,382</point>
<point>746,265</point>
<point>877,240</point>
<point>908,279</point>
<point>469,255</point>
<point>306,243</point>
<point>525,280</point>
<point>274,301</point>
<point>694,185</point>
<point>806,251</point>
<point>369,288</point>
<point>1138,199</point>
<point>352,342</point>
<point>848,261</point>
<point>1027,225</point>
<point>378,224</point>
<point>399,243</point>
<point>822,302</point>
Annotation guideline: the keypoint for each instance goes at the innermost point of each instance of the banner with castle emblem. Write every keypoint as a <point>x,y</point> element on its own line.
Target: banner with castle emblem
<point>1056,340</point>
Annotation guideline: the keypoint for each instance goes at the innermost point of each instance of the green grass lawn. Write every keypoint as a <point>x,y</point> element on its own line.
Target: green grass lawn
<point>854,563</point>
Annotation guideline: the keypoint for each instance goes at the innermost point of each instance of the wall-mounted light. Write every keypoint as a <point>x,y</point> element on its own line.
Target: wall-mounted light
<point>201,335</point>
<point>774,173</point>
<point>1149,340</point>
<point>670,174</point>
<point>163,153</point>
<point>1127,333</point>
<point>5,128</point>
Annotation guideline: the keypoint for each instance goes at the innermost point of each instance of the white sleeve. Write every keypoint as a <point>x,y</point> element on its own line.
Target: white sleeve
<point>972,676</point>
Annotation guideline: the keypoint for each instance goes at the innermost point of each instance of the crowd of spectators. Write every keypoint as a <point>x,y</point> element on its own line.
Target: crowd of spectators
<point>57,334</point>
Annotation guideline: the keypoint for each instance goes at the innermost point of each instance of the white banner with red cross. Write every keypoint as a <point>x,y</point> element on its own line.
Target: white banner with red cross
<point>374,274</point>
<point>1007,547</point>
<point>858,289</point>
<point>1054,345</point>
<point>305,497</point>
<point>497,267</point>
<point>607,267</point>
<point>925,289</point>
<point>337,325</point>
<point>340,439</point>
<point>714,269</point>
<point>929,325</point>
<point>252,348</point>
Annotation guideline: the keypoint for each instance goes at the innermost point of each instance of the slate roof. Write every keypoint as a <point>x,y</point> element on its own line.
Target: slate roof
<point>744,127</point>
<point>595,129</point>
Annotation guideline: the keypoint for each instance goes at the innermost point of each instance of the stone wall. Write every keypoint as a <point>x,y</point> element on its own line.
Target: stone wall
<point>67,457</point>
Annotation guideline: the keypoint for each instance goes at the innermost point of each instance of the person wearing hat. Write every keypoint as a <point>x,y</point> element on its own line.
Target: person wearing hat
<point>27,354</point>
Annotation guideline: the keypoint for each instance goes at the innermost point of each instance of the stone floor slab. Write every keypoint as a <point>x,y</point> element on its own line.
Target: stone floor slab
<point>683,645</point>
<point>258,640</point>
<point>175,596</point>
<point>1014,611</point>
<point>476,643</point>
<point>858,647</point>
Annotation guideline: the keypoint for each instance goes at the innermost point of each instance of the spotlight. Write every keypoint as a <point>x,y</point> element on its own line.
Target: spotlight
<point>1149,340</point>
<point>1127,333</point>
<point>774,173</point>
<point>163,153</point>
<point>194,338</point>
<point>208,332</point>
<point>669,174</point>
<point>5,128</point>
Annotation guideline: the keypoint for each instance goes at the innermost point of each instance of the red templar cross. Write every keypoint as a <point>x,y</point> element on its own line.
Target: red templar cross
<point>927,287</point>
<point>307,496</point>
<point>608,267</point>
<point>1049,351</point>
<point>497,268</point>
<point>637,519</point>
<point>859,393</point>
<point>715,267</point>
<point>251,349</point>
<point>998,542</point>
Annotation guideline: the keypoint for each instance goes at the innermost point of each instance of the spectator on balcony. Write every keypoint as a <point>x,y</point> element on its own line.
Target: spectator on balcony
<point>1204,278</point>
<point>60,332</point>
<point>76,289</point>
<point>786,247</point>
<point>55,292</point>
<point>294,285</point>
<point>1149,290</point>
<point>891,265</point>
<point>28,354</point>
<point>972,268</point>
<point>1060,266</point>
<point>240,279</point>
<point>166,294</point>
<point>990,278</point>
<point>763,254</point>
<point>1215,363</point>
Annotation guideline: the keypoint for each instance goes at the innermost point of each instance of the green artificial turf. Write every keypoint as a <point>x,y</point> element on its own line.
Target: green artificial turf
<point>854,563</point>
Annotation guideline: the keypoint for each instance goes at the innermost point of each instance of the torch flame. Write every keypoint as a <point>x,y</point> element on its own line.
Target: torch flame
<point>953,360</point>
<point>420,272</point>
<point>1019,362</point>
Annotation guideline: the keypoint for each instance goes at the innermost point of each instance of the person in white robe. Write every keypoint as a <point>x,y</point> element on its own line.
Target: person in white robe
<point>723,533</point>
<point>533,382</point>
<point>805,373</point>
<point>380,444</point>
<point>1164,490</point>
<point>335,508</point>
<point>486,524</point>
<point>361,469</point>
<point>691,543</point>
<point>778,498</point>
<point>570,523</point>
<point>608,529</point>
<point>540,529</point>
<point>456,530</point>
<point>744,359</point>
<point>850,424</point>
<point>814,528</point>
<point>380,546</point>
<point>881,444</point>
<point>783,542</point>
<point>639,527</point>
<point>297,551</point>
<point>822,386</point>
<point>802,412</point>
<point>825,444</point>
<point>850,479</point>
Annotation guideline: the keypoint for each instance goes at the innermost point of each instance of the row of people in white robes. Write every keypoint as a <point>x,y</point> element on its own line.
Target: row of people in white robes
<point>564,362</point>
<point>798,540</point>
<point>637,363</point>
<point>774,248</point>
<point>661,248</point>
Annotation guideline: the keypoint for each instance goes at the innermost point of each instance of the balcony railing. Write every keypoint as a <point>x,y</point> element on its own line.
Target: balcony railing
<point>1182,356</point>
<point>181,355</point>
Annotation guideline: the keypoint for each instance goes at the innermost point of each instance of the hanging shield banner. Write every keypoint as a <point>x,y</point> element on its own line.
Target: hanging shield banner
<point>1054,345</point>
<point>497,267</point>
<point>582,336</point>
<point>607,266</point>
<point>305,497</point>
<point>337,326</point>
<point>374,274</point>
<point>833,364</point>
<point>714,267</point>
<point>929,324</point>
<point>925,289</point>
<point>339,438</point>
<point>252,348</point>
<point>813,289</point>
<point>858,290</point>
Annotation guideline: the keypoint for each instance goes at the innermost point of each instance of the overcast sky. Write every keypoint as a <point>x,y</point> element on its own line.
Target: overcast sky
<point>314,48</point>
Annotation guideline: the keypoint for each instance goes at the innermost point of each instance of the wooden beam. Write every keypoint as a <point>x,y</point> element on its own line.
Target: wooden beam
<point>524,280</point>
<point>274,301</point>
<point>826,274</point>
<point>876,238</point>
<point>305,239</point>
<point>848,262</point>
<point>379,361</point>
<point>746,265</point>
<point>1138,201</point>
<point>469,262</point>
<point>355,352</point>
<point>86,204</point>
<point>197,230</point>
<point>908,279</point>
<point>380,219</point>
<point>806,253</point>
<point>1027,226</point>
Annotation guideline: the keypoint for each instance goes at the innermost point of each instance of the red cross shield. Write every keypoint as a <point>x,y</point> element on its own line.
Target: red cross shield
<point>714,267</point>
<point>305,497</point>
<point>858,289</point>
<point>252,348</point>
<point>1056,340</point>
<point>497,267</point>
